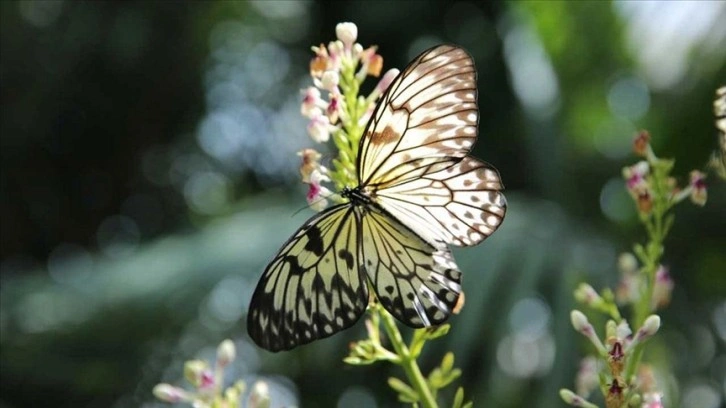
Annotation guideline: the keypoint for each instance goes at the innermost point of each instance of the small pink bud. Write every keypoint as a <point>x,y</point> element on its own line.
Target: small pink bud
<point>169,393</point>
<point>385,82</point>
<point>582,325</point>
<point>650,327</point>
<point>661,289</point>
<point>587,295</point>
<point>698,188</point>
<point>194,371</point>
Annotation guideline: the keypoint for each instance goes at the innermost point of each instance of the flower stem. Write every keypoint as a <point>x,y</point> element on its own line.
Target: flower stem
<point>407,360</point>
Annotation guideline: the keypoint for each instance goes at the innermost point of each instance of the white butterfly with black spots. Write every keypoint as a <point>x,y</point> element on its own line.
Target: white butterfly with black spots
<point>418,192</point>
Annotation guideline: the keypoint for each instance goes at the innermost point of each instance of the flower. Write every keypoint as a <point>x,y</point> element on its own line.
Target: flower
<point>661,289</point>
<point>698,188</point>
<point>641,144</point>
<point>226,353</point>
<point>587,295</point>
<point>372,62</point>
<point>383,84</point>
<point>335,108</point>
<point>196,372</point>
<point>582,325</point>
<point>312,103</point>
<point>652,400</point>
<point>638,185</point>
<point>329,81</point>
<point>169,393</point>
<point>319,128</point>
<point>260,395</point>
<point>317,193</point>
<point>650,327</point>
<point>575,400</point>
<point>347,33</point>
<point>615,395</point>
<point>310,162</point>
<point>320,62</point>
<point>635,176</point>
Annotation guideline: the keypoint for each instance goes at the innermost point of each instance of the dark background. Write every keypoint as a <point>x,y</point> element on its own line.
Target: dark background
<point>149,173</point>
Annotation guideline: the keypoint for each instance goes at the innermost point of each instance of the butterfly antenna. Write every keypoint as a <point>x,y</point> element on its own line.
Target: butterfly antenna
<point>313,203</point>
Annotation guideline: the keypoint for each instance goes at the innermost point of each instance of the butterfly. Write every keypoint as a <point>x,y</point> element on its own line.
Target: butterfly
<point>418,192</point>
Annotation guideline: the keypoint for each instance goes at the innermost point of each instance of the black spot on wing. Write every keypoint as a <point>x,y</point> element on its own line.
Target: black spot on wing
<point>295,268</point>
<point>345,255</point>
<point>315,241</point>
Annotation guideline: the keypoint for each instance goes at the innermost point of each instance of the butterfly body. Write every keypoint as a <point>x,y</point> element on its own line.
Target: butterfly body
<point>418,192</point>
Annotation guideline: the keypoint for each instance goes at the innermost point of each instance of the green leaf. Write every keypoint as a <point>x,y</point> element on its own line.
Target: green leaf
<point>458,398</point>
<point>436,332</point>
<point>405,392</point>
<point>448,362</point>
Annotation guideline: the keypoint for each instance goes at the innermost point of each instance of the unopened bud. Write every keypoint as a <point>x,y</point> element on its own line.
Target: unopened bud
<point>226,353</point>
<point>169,393</point>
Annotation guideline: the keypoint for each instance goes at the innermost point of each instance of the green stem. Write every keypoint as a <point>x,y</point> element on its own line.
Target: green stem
<point>657,228</point>
<point>408,362</point>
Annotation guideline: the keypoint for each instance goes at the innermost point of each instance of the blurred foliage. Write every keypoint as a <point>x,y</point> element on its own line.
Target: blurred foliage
<point>148,174</point>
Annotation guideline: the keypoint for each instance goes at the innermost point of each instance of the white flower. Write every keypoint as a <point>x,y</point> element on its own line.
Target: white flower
<point>347,33</point>
<point>317,193</point>
<point>311,102</point>
<point>330,80</point>
<point>319,128</point>
<point>260,395</point>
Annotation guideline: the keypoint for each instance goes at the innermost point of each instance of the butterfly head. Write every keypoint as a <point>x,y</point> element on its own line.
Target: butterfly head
<point>356,195</point>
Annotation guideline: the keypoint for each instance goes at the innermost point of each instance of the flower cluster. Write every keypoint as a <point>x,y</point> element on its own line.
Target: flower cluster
<point>645,286</point>
<point>335,109</point>
<point>608,369</point>
<point>208,382</point>
<point>647,176</point>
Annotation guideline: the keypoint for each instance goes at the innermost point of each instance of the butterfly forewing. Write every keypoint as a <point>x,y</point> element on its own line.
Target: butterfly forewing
<point>427,116</point>
<point>416,282</point>
<point>313,288</point>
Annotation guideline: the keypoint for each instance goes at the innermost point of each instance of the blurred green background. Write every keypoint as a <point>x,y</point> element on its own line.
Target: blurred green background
<point>149,173</point>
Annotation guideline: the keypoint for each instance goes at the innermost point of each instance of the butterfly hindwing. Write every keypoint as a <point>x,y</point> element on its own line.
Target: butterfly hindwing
<point>427,116</point>
<point>459,205</point>
<point>416,282</point>
<point>313,288</point>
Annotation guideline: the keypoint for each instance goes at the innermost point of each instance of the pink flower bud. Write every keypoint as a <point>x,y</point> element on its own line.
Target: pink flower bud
<point>698,188</point>
<point>582,325</point>
<point>661,289</point>
<point>169,393</point>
